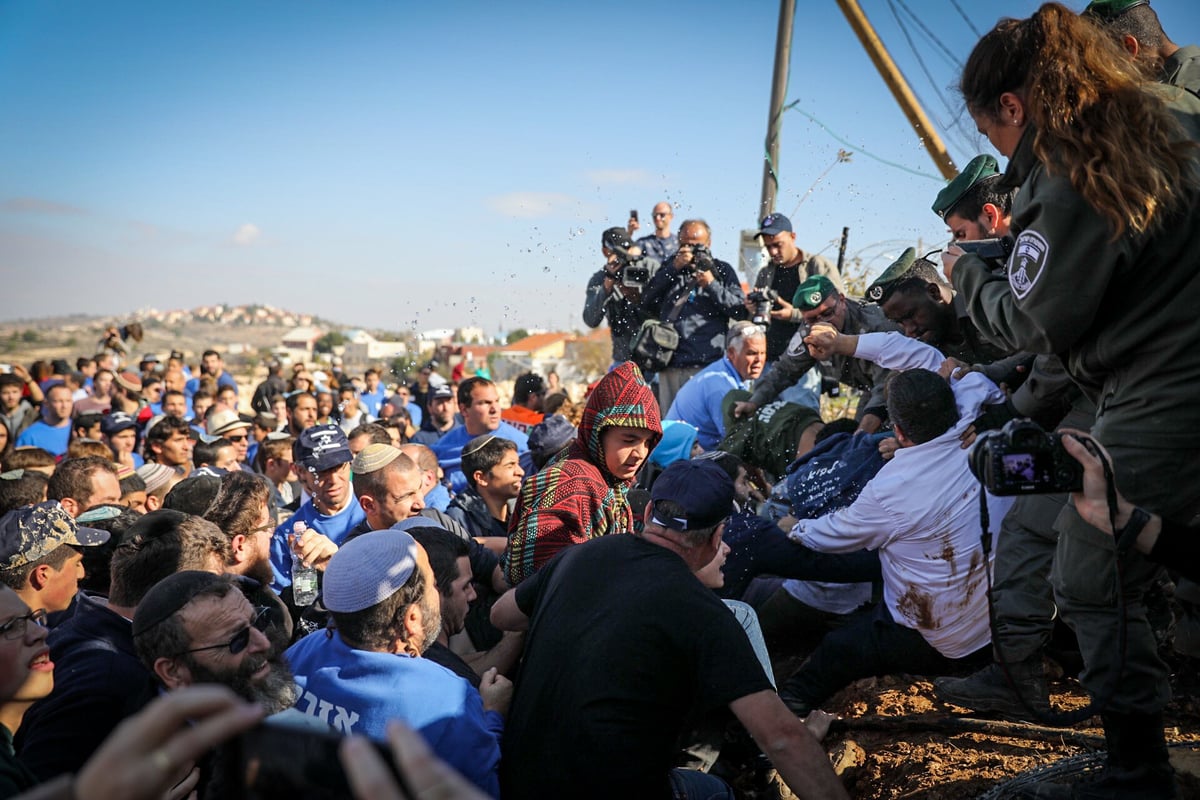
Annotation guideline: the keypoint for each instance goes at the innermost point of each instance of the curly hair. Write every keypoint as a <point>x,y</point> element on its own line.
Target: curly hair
<point>1095,120</point>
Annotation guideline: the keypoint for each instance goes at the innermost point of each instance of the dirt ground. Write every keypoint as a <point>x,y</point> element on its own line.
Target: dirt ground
<point>897,740</point>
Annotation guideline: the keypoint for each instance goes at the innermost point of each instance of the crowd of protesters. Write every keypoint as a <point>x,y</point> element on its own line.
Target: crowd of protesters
<point>546,596</point>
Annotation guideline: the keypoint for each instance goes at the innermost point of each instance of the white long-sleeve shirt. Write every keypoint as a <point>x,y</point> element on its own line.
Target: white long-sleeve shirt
<point>921,512</point>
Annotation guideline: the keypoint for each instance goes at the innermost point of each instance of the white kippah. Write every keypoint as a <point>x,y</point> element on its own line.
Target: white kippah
<point>368,570</point>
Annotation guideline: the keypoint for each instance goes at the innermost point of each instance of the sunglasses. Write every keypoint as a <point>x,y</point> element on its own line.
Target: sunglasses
<point>241,640</point>
<point>16,627</point>
<point>240,438</point>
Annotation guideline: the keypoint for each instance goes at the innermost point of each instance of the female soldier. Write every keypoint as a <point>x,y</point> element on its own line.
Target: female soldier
<point>1106,270</point>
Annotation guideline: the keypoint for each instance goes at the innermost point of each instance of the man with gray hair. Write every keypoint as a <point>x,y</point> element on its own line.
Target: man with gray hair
<point>368,669</point>
<point>699,401</point>
<point>697,295</point>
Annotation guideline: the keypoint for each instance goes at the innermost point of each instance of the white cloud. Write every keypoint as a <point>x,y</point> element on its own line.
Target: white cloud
<point>531,204</point>
<point>246,234</point>
<point>617,176</point>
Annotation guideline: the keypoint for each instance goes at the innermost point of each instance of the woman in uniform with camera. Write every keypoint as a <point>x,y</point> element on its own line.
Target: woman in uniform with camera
<point>1105,270</point>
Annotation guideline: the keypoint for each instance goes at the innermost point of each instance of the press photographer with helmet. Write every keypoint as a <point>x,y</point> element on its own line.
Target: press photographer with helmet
<point>615,291</point>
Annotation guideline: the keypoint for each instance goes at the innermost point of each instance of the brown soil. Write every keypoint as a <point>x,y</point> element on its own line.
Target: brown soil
<point>897,740</point>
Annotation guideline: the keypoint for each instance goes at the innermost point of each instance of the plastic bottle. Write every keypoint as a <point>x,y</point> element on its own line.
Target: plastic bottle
<point>304,578</point>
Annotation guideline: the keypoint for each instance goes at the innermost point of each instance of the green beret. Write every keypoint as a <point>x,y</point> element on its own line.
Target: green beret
<point>892,275</point>
<point>980,167</point>
<point>1108,10</point>
<point>813,292</point>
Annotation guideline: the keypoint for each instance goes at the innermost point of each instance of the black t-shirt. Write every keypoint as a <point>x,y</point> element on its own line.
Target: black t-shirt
<point>625,649</point>
<point>438,653</point>
<point>785,281</point>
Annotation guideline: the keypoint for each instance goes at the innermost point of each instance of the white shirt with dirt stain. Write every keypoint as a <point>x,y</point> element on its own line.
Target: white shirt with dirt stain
<point>921,512</point>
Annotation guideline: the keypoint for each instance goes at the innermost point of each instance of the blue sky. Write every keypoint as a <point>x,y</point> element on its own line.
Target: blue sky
<point>408,166</point>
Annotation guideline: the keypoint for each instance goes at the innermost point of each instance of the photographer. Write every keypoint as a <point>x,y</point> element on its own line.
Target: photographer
<point>616,291</point>
<point>698,296</point>
<point>774,287</point>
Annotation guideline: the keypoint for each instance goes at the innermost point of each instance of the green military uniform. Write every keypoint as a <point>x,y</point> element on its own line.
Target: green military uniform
<point>1182,68</point>
<point>864,375</point>
<point>1124,313</point>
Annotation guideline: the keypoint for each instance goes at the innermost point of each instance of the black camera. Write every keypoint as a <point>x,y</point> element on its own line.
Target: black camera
<point>634,274</point>
<point>630,272</point>
<point>764,301</point>
<point>1021,458</point>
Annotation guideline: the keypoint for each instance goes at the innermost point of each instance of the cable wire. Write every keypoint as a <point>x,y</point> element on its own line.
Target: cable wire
<point>966,19</point>
<point>795,106</point>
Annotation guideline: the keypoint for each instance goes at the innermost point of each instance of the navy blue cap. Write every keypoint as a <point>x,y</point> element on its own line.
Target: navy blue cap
<point>116,422</point>
<point>321,447</point>
<point>701,488</point>
<point>774,223</point>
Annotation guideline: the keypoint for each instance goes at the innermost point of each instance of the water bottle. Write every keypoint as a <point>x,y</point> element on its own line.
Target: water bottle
<point>304,578</point>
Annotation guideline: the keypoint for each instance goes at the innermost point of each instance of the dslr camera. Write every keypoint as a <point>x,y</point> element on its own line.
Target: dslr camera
<point>702,260</point>
<point>764,301</point>
<point>1021,458</point>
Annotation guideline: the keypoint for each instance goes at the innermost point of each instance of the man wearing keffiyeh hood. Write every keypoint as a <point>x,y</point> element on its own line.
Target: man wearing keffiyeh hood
<point>581,493</point>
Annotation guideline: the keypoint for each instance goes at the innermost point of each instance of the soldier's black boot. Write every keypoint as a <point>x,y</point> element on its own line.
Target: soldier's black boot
<point>1137,768</point>
<point>990,691</point>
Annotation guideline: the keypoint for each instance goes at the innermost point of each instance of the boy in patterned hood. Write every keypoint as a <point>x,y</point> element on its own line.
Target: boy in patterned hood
<point>581,493</point>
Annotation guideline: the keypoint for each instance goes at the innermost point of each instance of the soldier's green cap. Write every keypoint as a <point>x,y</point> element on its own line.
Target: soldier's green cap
<point>1108,10</point>
<point>977,169</point>
<point>813,292</point>
<point>895,273</point>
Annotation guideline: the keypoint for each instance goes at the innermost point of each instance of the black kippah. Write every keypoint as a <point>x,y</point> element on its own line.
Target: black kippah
<point>169,595</point>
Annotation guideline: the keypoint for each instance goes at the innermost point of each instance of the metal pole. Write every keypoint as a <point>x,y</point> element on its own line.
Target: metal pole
<point>783,54</point>
<point>842,250</point>
<point>895,81</point>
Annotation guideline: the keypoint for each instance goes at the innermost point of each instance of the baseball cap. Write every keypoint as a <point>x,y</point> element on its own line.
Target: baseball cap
<point>701,488</point>
<point>368,569</point>
<point>32,532</point>
<point>321,447</point>
<point>116,422</point>
<point>774,223</point>
<point>617,240</point>
<point>442,392</point>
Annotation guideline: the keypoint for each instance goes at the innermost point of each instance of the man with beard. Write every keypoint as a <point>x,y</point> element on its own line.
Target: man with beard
<point>198,627</point>
<point>242,510</point>
<point>368,669</point>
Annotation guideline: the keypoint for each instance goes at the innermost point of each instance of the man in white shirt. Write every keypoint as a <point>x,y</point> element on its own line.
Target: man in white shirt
<point>921,512</point>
